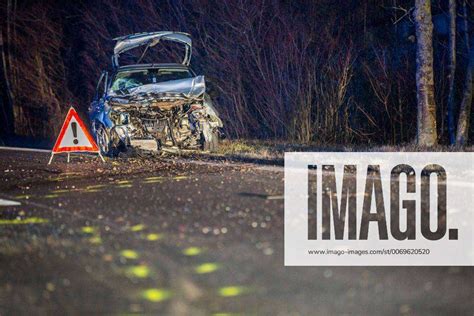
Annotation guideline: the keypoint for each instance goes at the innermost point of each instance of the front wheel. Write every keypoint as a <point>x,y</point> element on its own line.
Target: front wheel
<point>102,139</point>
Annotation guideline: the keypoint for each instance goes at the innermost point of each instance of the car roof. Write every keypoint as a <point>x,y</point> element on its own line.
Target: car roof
<point>148,66</point>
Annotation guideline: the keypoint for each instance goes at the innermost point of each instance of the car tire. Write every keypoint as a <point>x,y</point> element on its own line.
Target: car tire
<point>102,139</point>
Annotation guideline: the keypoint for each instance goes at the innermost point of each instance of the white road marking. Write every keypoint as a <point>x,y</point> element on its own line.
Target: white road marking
<point>8,203</point>
<point>25,149</point>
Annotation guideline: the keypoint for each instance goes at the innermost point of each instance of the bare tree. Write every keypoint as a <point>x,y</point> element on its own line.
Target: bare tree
<point>7,109</point>
<point>466,23</point>
<point>466,103</point>
<point>426,135</point>
<point>451,69</point>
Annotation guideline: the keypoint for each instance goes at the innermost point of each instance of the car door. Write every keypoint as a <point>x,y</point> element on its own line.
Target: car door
<point>97,109</point>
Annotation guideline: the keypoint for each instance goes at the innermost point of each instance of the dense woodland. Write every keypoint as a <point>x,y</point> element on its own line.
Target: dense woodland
<point>319,71</point>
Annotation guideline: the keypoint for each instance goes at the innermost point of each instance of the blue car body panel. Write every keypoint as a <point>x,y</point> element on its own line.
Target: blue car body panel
<point>99,113</point>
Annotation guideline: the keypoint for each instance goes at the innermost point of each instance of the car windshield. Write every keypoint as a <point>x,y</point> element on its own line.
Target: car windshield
<point>128,79</point>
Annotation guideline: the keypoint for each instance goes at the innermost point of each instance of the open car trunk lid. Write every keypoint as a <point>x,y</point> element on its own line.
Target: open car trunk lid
<point>128,42</point>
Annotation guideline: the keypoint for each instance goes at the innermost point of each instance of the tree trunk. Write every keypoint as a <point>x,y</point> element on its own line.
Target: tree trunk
<point>465,22</point>
<point>451,69</point>
<point>426,120</point>
<point>7,118</point>
<point>466,103</point>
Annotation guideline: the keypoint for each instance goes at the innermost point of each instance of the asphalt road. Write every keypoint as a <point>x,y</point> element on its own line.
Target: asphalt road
<point>150,236</point>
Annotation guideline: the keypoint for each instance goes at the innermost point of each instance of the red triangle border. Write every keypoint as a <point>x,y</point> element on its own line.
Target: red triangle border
<point>70,114</point>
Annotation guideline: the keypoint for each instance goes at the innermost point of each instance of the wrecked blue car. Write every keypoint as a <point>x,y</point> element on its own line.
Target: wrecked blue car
<point>153,105</point>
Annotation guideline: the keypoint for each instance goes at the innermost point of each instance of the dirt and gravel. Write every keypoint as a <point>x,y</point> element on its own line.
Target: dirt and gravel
<point>174,236</point>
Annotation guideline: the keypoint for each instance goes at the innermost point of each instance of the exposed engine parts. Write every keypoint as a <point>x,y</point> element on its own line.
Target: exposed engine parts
<point>170,123</point>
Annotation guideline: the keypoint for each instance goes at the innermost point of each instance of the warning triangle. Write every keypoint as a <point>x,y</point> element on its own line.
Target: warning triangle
<point>74,136</point>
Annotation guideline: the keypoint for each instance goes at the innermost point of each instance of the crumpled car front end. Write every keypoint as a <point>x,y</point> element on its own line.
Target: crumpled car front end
<point>157,104</point>
<point>175,113</point>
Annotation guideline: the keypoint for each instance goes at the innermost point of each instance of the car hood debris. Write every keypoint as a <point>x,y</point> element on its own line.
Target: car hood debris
<point>188,89</point>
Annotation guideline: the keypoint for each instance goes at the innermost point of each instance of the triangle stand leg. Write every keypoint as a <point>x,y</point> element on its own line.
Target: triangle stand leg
<point>51,158</point>
<point>101,157</point>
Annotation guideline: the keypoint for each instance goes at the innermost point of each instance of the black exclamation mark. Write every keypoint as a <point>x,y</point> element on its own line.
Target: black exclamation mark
<point>74,132</point>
